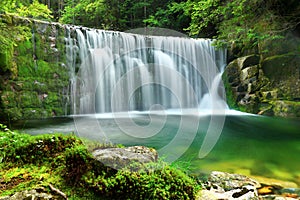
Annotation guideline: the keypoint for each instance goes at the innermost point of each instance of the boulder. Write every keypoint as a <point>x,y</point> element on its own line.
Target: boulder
<point>229,181</point>
<point>238,194</point>
<point>286,108</point>
<point>241,80</point>
<point>247,61</point>
<point>226,186</point>
<point>119,158</point>
<point>283,71</point>
<point>222,185</point>
<point>268,87</point>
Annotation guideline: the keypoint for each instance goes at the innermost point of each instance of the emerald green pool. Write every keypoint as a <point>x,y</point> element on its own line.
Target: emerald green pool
<point>248,144</point>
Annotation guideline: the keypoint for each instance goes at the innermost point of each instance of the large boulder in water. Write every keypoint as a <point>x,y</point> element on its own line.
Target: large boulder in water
<point>119,158</point>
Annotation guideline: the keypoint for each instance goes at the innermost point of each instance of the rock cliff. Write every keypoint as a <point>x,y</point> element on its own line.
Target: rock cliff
<point>266,83</point>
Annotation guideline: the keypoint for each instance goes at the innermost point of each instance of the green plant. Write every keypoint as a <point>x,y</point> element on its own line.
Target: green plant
<point>62,160</point>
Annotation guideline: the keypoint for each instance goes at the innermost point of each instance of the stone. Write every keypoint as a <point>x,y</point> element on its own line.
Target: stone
<point>246,192</point>
<point>283,73</point>
<point>30,74</point>
<point>247,61</point>
<point>231,181</point>
<point>274,182</point>
<point>249,72</point>
<point>286,108</point>
<point>29,195</point>
<point>119,158</point>
<point>290,191</point>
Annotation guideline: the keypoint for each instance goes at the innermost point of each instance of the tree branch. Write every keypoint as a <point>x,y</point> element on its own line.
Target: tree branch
<point>58,191</point>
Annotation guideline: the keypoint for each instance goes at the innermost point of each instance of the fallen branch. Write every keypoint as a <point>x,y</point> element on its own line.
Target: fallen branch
<point>58,191</point>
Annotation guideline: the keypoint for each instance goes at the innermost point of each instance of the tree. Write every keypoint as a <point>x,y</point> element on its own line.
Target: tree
<point>25,9</point>
<point>173,16</point>
<point>243,22</point>
<point>87,13</point>
<point>35,10</point>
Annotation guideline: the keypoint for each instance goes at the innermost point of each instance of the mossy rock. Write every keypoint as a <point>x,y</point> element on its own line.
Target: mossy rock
<point>247,61</point>
<point>280,46</point>
<point>281,67</point>
<point>283,71</point>
<point>6,62</point>
<point>286,108</point>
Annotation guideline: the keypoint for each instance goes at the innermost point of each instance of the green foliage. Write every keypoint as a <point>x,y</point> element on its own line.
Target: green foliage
<point>9,37</point>
<point>21,148</point>
<point>164,182</point>
<point>122,15</point>
<point>205,16</point>
<point>245,23</point>
<point>25,9</point>
<point>173,17</point>
<point>87,13</point>
<point>35,10</point>
<point>28,162</point>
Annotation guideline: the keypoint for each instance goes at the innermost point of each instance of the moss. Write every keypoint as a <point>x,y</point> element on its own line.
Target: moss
<point>33,69</point>
<point>6,61</point>
<point>62,160</point>
<point>230,99</point>
<point>286,108</point>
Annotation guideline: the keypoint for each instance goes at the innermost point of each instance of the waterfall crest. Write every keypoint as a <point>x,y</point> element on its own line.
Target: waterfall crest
<point>115,71</point>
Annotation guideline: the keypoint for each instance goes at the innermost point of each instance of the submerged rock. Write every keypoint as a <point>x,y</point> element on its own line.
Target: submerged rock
<point>119,158</point>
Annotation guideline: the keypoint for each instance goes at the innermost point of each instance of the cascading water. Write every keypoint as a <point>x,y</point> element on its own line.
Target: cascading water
<point>117,71</point>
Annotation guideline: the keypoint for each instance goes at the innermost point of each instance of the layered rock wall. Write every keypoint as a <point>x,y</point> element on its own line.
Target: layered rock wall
<point>35,79</point>
<point>265,84</point>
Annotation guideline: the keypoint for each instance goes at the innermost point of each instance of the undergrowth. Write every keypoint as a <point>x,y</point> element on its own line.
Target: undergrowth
<point>64,161</point>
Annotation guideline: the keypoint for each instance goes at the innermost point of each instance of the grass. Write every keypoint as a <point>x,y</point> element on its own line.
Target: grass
<point>65,162</point>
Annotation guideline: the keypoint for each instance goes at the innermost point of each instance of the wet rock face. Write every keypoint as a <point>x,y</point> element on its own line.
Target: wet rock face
<point>243,81</point>
<point>34,80</point>
<point>119,158</point>
<point>269,86</point>
<point>283,72</point>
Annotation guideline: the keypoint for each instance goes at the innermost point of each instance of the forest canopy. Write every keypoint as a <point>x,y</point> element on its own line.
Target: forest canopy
<point>245,22</point>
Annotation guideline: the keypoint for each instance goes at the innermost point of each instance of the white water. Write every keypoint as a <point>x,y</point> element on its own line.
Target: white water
<point>118,72</point>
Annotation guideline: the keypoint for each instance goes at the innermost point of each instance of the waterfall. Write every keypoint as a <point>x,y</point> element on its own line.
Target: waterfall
<point>115,71</point>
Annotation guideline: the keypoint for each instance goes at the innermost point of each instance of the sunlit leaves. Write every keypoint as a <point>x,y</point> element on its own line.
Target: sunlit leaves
<point>21,8</point>
<point>35,10</point>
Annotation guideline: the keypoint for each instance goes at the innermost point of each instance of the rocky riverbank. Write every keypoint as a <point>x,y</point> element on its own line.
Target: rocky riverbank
<point>219,185</point>
<point>222,185</point>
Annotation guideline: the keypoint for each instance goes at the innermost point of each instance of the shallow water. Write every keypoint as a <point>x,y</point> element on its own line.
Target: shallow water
<point>248,144</point>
